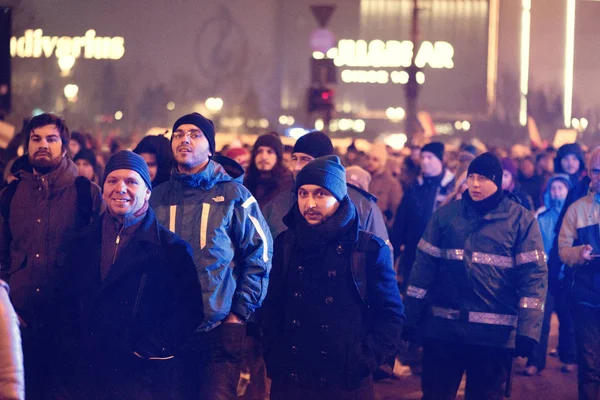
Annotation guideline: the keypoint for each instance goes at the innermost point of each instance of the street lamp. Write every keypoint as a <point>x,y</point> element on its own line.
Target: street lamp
<point>66,63</point>
<point>214,104</point>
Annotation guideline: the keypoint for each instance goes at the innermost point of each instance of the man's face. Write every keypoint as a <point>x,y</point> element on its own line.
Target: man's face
<point>570,164</point>
<point>544,164</point>
<point>45,148</point>
<point>74,147</point>
<point>190,147</point>
<point>299,160</point>
<point>265,159</point>
<point>316,204</point>
<point>375,164</point>
<point>595,170</point>
<point>151,163</point>
<point>527,168</point>
<point>84,168</point>
<point>430,164</point>
<point>558,190</point>
<point>507,179</point>
<point>125,192</point>
<point>480,187</point>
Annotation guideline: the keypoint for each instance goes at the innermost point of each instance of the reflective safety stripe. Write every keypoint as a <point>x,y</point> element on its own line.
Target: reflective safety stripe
<point>450,254</point>
<point>251,200</point>
<point>530,256</point>
<point>263,237</point>
<point>493,319</point>
<point>204,224</point>
<point>492,259</point>
<point>416,292</point>
<point>476,317</point>
<point>531,302</point>
<point>172,216</point>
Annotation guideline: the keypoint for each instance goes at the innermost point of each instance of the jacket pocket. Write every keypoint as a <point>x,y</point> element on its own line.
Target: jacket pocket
<point>233,340</point>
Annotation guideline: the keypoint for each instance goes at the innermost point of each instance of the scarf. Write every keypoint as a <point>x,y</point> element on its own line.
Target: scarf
<point>486,205</point>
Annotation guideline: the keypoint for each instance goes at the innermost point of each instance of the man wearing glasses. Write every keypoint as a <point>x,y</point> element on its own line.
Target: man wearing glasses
<point>219,218</point>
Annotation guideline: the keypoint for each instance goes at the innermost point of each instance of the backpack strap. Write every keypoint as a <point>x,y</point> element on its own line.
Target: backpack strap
<point>83,187</point>
<point>358,264</point>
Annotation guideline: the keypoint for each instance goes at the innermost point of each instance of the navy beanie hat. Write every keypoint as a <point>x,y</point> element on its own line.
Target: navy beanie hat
<point>436,148</point>
<point>126,159</point>
<point>206,126</point>
<point>327,172</point>
<point>315,144</point>
<point>87,155</point>
<point>489,166</point>
<point>271,140</point>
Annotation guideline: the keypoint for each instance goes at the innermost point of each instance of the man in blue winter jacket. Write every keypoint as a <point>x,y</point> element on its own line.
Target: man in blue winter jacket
<point>221,220</point>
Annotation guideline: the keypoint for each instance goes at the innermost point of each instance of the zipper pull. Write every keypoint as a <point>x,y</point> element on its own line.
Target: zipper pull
<point>118,239</point>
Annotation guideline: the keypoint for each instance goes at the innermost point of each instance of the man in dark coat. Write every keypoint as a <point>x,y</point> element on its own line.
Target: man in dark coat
<point>477,289</point>
<point>40,213</point>
<point>307,148</point>
<point>418,204</point>
<point>333,312</point>
<point>140,297</point>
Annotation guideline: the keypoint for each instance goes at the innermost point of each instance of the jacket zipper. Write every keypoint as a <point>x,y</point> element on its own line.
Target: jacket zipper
<point>117,245</point>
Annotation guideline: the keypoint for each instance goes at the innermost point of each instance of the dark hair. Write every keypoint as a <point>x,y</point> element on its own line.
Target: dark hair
<point>161,148</point>
<point>48,119</point>
<point>79,138</point>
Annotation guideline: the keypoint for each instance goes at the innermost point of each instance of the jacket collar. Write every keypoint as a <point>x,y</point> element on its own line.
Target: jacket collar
<point>205,179</point>
<point>64,175</point>
<point>447,177</point>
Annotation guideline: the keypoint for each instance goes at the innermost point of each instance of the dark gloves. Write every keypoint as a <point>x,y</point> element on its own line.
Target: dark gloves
<point>524,346</point>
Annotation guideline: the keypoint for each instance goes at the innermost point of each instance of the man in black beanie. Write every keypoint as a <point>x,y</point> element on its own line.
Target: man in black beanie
<point>209,207</point>
<point>308,147</point>
<point>477,290</point>
<point>321,341</point>
<point>138,289</point>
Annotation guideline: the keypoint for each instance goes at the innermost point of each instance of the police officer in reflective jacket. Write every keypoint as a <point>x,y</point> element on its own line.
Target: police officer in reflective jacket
<point>477,289</point>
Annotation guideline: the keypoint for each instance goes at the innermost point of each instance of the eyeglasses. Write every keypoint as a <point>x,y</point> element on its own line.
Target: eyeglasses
<point>192,133</point>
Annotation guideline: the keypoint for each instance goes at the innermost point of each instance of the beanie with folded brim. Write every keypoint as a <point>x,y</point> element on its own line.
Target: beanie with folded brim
<point>126,159</point>
<point>204,124</point>
<point>487,165</point>
<point>326,172</point>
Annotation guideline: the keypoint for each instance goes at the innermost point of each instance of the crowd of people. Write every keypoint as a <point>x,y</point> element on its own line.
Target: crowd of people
<point>185,270</point>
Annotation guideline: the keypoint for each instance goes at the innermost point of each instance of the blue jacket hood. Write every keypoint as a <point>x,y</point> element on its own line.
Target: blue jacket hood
<point>563,177</point>
<point>213,173</point>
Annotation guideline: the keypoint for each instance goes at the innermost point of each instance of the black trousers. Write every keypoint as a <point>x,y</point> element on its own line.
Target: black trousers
<point>587,337</point>
<point>445,362</point>
<point>212,364</point>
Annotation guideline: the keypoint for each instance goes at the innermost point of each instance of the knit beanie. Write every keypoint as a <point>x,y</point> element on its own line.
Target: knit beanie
<point>435,148</point>
<point>380,151</point>
<point>87,155</point>
<point>358,177</point>
<point>269,140</point>
<point>510,165</point>
<point>326,172</point>
<point>206,126</point>
<point>489,166</point>
<point>126,159</point>
<point>315,144</point>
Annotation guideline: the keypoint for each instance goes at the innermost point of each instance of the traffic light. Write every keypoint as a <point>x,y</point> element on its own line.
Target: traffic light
<point>320,98</point>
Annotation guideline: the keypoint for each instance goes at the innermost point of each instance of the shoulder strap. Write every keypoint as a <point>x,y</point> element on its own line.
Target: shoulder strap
<point>83,186</point>
<point>358,264</point>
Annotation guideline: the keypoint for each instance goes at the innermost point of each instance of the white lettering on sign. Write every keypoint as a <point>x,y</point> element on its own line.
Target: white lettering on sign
<point>392,54</point>
<point>33,44</point>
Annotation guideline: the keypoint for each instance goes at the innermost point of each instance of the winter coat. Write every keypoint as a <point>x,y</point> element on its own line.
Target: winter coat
<point>580,227</point>
<point>414,212</point>
<point>330,321</point>
<point>43,219</point>
<point>389,193</point>
<point>370,216</point>
<point>549,217</point>
<point>12,382</point>
<point>232,245</point>
<point>149,302</point>
<point>479,280</point>
<point>522,196</point>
